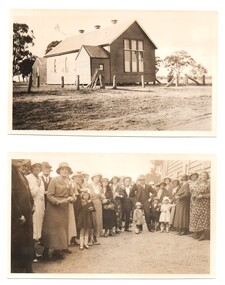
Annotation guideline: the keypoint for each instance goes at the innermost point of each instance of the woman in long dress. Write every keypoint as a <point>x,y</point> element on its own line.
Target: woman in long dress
<point>56,220</point>
<point>108,208</point>
<point>118,195</point>
<point>200,208</point>
<point>182,215</point>
<point>176,187</point>
<point>37,190</point>
<point>97,197</point>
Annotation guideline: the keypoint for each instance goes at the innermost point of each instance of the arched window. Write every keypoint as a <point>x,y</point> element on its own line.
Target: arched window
<point>55,66</point>
<point>66,65</point>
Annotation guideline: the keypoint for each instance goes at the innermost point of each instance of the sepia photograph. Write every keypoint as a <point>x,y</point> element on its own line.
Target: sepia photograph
<point>113,72</point>
<point>84,215</point>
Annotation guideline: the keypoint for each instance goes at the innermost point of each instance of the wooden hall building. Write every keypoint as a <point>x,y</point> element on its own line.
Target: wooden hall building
<point>123,49</point>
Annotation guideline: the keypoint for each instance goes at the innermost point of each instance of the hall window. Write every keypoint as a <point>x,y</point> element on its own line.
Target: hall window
<point>133,55</point>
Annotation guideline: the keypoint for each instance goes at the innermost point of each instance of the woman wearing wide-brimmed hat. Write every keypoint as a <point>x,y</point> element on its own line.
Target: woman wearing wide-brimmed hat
<point>182,215</point>
<point>118,195</point>
<point>108,208</point>
<point>169,185</point>
<point>37,190</point>
<point>56,220</point>
<point>200,208</point>
<point>97,197</point>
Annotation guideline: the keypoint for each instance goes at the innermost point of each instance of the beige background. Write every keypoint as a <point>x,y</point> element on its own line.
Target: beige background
<point>15,143</point>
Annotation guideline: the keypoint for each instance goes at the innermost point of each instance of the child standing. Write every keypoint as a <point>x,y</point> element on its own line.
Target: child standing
<point>138,218</point>
<point>164,218</point>
<point>85,218</point>
<point>155,213</point>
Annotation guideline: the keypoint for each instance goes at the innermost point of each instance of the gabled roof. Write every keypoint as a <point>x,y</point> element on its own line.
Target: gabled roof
<point>41,60</point>
<point>96,52</point>
<point>98,37</point>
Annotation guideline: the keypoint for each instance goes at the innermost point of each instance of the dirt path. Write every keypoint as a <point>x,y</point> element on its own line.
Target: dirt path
<point>128,253</point>
<point>133,108</point>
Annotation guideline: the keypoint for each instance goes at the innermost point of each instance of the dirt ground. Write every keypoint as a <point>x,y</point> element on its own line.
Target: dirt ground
<point>147,253</point>
<point>128,253</point>
<point>153,108</point>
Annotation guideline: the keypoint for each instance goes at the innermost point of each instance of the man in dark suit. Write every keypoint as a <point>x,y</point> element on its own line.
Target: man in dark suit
<point>22,207</point>
<point>144,194</point>
<point>127,202</point>
<point>46,170</point>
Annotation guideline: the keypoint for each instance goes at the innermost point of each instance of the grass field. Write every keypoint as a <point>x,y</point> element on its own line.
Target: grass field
<point>153,108</point>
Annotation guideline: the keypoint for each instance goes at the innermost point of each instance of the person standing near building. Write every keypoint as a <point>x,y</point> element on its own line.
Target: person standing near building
<point>182,215</point>
<point>22,208</point>
<point>143,193</point>
<point>46,170</point>
<point>38,191</point>
<point>127,202</point>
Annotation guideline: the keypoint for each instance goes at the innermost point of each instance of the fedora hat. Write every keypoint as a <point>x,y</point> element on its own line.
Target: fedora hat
<point>193,173</point>
<point>127,177</point>
<point>105,179</point>
<point>96,174</point>
<point>64,164</point>
<point>184,177</point>
<point>141,177</point>
<point>46,164</point>
<point>34,163</point>
<point>176,180</point>
<point>78,174</point>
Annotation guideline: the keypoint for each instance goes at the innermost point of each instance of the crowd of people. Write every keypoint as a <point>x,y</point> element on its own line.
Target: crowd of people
<point>75,209</point>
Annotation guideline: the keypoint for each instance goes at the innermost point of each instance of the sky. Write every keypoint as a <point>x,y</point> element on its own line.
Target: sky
<point>194,32</point>
<point>108,164</point>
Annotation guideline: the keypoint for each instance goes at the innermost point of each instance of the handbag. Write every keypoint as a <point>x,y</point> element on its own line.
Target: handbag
<point>109,206</point>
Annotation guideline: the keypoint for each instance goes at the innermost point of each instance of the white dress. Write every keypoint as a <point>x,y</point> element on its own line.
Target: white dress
<point>37,190</point>
<point>165,213</point>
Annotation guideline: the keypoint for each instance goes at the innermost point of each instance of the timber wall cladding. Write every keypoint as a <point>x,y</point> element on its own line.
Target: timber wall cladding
<point>117,57</point>
<point>176,168</point>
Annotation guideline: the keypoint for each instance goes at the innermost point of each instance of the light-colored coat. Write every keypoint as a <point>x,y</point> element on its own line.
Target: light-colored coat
<point>37,190</point>
<point>138,217</point>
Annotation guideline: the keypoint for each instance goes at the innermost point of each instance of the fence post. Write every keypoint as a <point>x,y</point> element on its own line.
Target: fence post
<point>102,81</point>
<point>29,84</point>
<point>62,81</point>
<point>143,81</point>
<point>186,80</point>
<point>114,82</point>
<point>77,82</point>
<point>203,79</point>
<point>38,81</point>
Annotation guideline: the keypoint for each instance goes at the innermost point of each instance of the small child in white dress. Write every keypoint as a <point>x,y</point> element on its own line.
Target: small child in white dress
<point>138,218</point>
<point>164,218</point>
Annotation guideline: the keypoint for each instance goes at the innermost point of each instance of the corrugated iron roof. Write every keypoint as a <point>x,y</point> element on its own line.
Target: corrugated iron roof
<point>97,37</point>
<point>96,52</point>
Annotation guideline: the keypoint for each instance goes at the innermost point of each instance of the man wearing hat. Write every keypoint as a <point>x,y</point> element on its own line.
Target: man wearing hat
<point>182,215</point>
<point>46,170</point>
<point>143,193</point>
<point>21,221</point>
<point>127,202</point>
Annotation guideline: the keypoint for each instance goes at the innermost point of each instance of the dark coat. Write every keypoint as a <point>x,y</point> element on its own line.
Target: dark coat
<point>155,212</point>
<point>46,188</point>
<point>85,217</point>
<point>182,215</point>
<point>136,192</point>
<point>127,201</point>
<point>109,215</point>
<point>165,193</point>
<point>21,235</point>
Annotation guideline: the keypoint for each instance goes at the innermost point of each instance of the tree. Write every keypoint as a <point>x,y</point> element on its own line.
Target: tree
<point>25,66</point>
<point>155,173</point>
<point>177,62</point>
<point>23,38</point>
<point>51,46</point>
<point>198,70</point>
